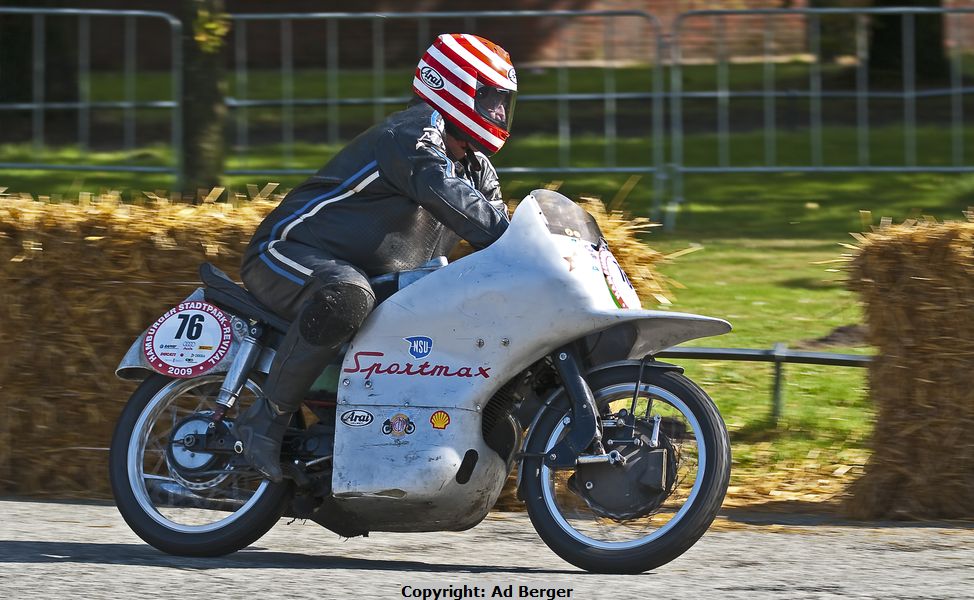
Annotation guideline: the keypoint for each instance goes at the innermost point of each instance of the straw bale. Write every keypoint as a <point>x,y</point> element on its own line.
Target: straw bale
<point>79,281</point>
<point>916,281</point>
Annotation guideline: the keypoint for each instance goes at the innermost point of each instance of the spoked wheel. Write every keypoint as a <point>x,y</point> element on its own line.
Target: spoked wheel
<point>181,490</point>
<point>632,517</point>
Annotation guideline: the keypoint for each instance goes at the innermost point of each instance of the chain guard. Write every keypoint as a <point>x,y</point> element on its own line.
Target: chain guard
<point>635,489</point>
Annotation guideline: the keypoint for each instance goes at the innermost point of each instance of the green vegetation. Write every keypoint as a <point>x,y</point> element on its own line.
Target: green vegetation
<point>352,83</point>
<point>761,239</point>
<point>772,291</point>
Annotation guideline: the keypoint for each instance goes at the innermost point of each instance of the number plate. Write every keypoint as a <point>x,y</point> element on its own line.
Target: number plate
<point>623,293</point>
<point>188,340</point>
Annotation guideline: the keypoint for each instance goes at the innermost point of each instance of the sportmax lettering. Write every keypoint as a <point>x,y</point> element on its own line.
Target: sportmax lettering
<point>409,369</point>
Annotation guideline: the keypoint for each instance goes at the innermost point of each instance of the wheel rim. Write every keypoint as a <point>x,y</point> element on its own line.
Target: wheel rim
<point>581,526</point>
<point>191,506</point>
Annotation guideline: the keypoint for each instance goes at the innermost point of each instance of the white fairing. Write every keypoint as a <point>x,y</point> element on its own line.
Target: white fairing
<point>474,324</point>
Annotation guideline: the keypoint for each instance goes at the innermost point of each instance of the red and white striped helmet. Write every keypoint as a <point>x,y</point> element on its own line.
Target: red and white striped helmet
<point>472,83</point>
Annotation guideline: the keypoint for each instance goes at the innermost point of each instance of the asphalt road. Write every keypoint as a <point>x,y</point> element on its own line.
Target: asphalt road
<point>60,550</point>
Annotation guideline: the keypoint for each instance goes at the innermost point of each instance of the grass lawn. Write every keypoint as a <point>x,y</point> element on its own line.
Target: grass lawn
<point>760,238</point>
<point>771,291</point>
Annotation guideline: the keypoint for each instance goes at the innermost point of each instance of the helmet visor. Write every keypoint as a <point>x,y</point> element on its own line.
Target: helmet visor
<point>496,105</point>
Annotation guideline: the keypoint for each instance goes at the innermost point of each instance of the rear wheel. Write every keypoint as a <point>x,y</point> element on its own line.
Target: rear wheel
<point>186,502</point>
<point>634,517</point>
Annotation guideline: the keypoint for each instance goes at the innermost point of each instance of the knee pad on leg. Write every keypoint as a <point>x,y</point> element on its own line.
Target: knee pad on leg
<point>334,313</point>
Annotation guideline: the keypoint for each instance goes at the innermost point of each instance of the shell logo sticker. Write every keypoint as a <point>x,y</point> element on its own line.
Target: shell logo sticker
<point>439,420</point>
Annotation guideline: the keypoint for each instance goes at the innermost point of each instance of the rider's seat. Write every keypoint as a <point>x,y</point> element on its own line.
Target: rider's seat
<point>222,291</point>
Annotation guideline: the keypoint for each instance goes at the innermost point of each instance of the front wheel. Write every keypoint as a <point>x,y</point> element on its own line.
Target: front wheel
<point>634,517</point>
<point>182,500</point>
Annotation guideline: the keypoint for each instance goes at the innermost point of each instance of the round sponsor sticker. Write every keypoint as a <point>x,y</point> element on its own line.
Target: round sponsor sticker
<point>620,287</point>
<point>188,340</point>
<point>398,425</point>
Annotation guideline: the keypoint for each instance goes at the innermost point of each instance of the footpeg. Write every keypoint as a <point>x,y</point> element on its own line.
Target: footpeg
<point>612,458</point>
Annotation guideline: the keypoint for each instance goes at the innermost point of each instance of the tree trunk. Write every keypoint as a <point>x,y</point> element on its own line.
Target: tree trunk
<point>886,43</point>
<point>16,58</point>
<point>837,33</point>
<point>204,110</point>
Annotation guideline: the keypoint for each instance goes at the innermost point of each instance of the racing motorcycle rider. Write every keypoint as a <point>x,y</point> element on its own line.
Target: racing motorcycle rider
<point>398,195</point>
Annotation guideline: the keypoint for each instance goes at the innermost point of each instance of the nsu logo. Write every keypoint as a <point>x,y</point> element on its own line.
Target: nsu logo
<point>431,78</point>
<point>420,346</point>
<point>357,418</point>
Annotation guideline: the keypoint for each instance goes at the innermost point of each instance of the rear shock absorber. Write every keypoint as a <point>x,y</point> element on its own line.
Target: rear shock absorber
<point>243,362</point>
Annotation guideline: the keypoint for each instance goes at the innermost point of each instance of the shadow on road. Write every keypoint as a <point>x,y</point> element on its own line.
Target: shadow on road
<point>139,554</point>
<point>801,512</point>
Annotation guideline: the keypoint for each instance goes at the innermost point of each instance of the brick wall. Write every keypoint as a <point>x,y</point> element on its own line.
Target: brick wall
<point>544,40</point>
<point>528,40</point>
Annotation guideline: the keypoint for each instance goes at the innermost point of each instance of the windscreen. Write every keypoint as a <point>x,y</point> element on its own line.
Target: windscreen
<point>567,218</point>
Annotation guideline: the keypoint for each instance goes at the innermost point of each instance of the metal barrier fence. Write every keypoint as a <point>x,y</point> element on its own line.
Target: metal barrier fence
<point>779,355</point>
<point>769,95</point>
<point>380,100</point>
<point>240,102</point>
<point>766,100</point>
<point>39,105</point>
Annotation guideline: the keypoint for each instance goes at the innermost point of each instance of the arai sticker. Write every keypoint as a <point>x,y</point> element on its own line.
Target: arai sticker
<point>620,287</point>
<point>188,340</point>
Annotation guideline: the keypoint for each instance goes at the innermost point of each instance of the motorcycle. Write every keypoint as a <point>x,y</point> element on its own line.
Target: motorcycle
<point>533,353</point>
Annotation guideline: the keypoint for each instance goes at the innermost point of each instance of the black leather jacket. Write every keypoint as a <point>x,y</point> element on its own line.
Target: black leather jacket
<point>383,201</point>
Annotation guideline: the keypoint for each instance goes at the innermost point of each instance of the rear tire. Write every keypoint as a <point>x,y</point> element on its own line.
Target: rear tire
<point>671,539</point>
<point>237,530</point>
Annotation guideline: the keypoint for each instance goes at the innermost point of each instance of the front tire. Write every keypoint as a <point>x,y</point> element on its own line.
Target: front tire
<point>221,510</point>
<point>587,538</point>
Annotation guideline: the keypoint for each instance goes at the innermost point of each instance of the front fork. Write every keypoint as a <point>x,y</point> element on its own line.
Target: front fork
<point>586,430</point>
<point>233,383</point>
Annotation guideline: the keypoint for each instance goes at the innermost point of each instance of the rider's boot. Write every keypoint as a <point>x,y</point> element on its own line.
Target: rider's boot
<point>261,430</point>
<point>312,341</point>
